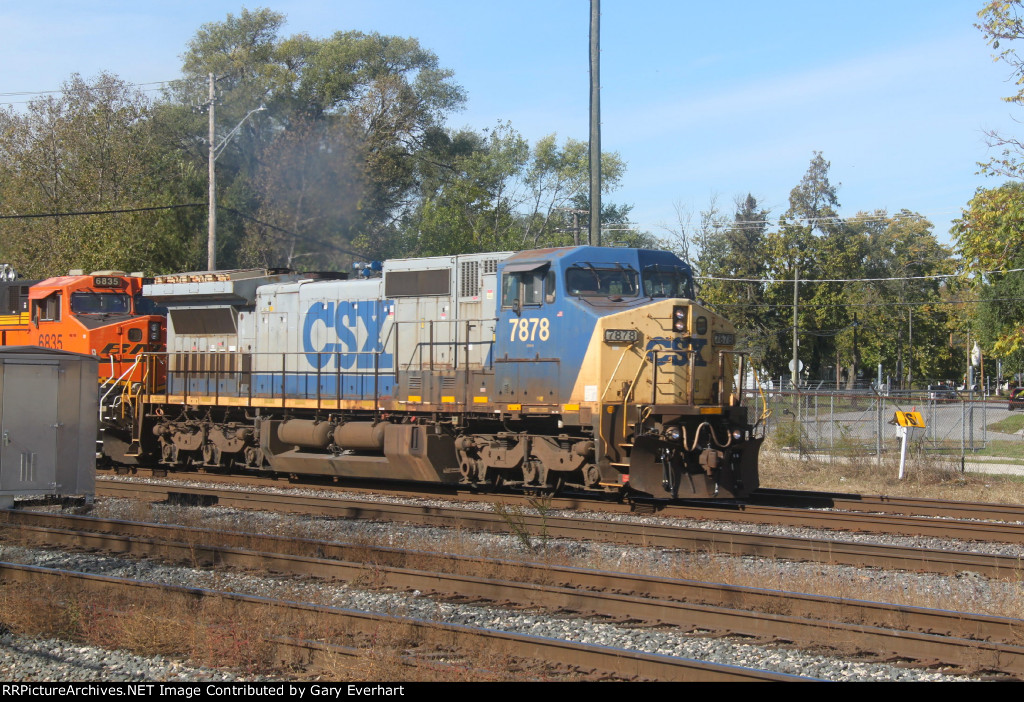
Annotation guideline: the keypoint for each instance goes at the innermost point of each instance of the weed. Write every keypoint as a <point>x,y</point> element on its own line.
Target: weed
<point>516,518</point>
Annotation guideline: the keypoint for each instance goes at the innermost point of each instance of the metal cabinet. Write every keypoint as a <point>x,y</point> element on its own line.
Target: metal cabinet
<point>48,423</point>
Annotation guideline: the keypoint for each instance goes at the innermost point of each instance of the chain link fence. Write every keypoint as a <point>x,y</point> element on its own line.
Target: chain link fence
<point>970,426</point>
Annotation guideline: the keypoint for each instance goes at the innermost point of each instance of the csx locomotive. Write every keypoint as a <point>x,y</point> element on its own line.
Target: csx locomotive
<point>586,367</point>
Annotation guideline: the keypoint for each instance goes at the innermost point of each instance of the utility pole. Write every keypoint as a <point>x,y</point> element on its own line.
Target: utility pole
<point>211,239</point>
<point>795,366</point>
<point>795,363</point>
<point>215,151</point>
<point>575,222</point>
<point>595,122</point>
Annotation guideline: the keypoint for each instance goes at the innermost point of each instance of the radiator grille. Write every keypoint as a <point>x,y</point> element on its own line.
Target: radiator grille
<point>470,274</point>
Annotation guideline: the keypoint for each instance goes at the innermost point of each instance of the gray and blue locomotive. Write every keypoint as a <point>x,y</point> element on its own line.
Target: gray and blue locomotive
<point>587,367</point>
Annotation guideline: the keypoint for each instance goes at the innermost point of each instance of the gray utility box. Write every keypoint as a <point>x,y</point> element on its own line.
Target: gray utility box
<point>49,415</point>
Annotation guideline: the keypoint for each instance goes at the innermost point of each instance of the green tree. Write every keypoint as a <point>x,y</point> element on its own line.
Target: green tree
<point>1002,23</point>
<point>734,259</point>
<point>388,94</point>
<point>905,317</point>
<point>471,200</point>
<point>990,237</point>
<point>90,148</point>
<point>492,191</point>
<point>809,234</point>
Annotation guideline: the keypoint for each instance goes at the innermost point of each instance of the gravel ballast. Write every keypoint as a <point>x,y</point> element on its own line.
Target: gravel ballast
<point>32,660</point>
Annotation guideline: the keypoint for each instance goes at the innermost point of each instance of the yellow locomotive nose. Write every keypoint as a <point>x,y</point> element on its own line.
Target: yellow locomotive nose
<point>672,418</point>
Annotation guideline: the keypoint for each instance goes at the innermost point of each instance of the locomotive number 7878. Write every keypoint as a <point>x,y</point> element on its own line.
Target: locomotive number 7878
<point>530,329</point>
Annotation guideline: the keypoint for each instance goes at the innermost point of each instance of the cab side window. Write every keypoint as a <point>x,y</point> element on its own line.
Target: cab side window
<point>528,288</point>
<point>47,309</point>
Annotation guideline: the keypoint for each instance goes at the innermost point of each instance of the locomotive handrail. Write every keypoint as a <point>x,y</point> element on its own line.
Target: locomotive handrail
<point>735,389</point>
<point>195,377</point>
<point>611,378</point>
<point>431,344</point>
<point>116,383</point>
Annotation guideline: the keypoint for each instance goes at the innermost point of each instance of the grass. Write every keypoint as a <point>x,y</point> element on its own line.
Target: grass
<point>217,634</point>
<point>927,475</point>
<point>1010,425</point>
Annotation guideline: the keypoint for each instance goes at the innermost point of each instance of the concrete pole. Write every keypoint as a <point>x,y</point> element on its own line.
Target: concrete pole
<point>595,122</point>
<point>211,242</point>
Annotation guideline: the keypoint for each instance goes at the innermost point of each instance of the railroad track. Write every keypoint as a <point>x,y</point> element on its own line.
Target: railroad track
<point>548,526</point>
<point>916,506</point>
<point>967,641</point>
<point>835,511</point>
<point>595,661</point>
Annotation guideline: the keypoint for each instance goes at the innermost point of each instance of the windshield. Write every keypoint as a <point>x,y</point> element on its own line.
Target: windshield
<point>667,281</point>
<point>100,303</point>
<point>144,306</point>
<point>586,280</point>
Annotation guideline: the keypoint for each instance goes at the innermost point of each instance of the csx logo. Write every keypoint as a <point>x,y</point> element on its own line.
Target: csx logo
<point>348,320</point>
<point>679,346</point>
<point>122,349</point>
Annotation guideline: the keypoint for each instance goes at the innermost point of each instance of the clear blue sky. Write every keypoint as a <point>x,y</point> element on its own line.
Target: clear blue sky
<point>699,98</point>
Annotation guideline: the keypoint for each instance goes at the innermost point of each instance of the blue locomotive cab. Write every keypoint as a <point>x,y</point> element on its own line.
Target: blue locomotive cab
<point>614,342</point>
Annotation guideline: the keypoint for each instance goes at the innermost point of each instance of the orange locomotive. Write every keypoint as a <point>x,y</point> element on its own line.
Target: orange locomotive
<point>102,314</point>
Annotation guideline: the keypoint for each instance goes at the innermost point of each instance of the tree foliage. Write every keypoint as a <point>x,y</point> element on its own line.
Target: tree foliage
<point>990,234</point>
<point>734,259</point>
<point>493,191</point>
<point>1002,23</point>
<point>372,102</point>
<point>90,148</point>
<point>857,306</point>
<point>350,157</point>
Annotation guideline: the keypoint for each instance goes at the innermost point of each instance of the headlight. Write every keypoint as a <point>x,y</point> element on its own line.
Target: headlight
<point>679,315</point>
<point>673,433</point>
<point>154,331</point>
<point>737,435</point>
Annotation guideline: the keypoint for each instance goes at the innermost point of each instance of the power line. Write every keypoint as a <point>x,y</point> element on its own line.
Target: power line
<point>242,215</point>
<point>851,280</point>
<point>39,93</point>
<point>40,215</point>
<point>916,303</point>
<point>863,217</point>
<point>26,93</point>
<point>726,223</point>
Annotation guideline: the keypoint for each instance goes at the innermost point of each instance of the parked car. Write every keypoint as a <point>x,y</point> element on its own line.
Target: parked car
<point>1016,399</point>
<point>941,392</point>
